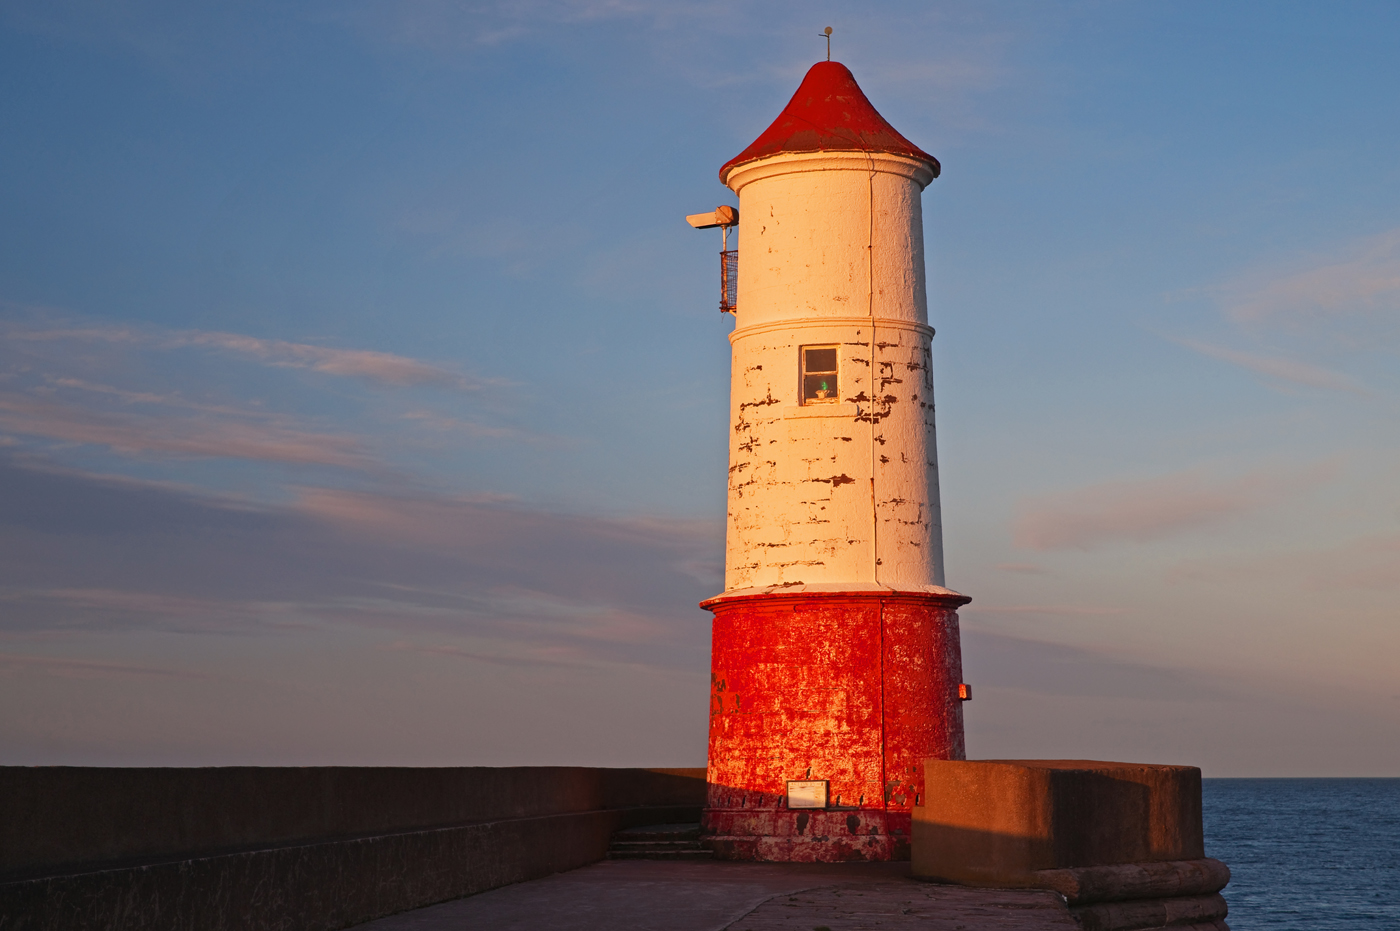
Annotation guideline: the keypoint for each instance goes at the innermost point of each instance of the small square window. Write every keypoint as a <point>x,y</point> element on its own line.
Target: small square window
<point>819,374</point>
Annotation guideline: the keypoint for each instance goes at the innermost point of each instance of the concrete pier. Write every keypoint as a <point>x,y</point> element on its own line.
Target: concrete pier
<point>649,895</point>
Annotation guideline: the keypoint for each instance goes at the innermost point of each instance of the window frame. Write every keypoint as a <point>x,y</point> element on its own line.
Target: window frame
<point>803,373</point>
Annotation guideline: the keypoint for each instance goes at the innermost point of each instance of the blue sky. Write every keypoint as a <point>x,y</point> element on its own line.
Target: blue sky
<point>362,392</point>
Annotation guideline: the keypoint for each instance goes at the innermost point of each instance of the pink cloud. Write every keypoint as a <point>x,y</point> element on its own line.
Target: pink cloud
<point>1370,563</point>
<point>1151,509</point>
<point>480,656</point>
<point>438,423</point>
<point>1053,610</point>
<point>1022,568</point>
<point>1367,280</point>
<point>482,521</point>
<point>163,610</point>
<point>116,599</point>
<point>371,365</point>
<point>87,668</point>
<point>514,652</point>
<point>1289,370</point>
<point>138,434</point>
<point>383,367</point>
<point>477,576</point>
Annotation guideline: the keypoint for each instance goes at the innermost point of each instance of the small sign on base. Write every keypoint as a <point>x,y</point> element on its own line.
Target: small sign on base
<point>807,793</point>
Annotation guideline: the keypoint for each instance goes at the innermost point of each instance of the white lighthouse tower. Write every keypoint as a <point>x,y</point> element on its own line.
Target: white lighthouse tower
<point>836,667</point>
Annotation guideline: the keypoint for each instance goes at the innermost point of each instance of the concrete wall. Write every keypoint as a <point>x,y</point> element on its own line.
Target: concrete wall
<point>992,822</point>
<point>314,847</point>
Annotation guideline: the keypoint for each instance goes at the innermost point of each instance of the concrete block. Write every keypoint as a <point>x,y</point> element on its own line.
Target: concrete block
<point>995,822</point>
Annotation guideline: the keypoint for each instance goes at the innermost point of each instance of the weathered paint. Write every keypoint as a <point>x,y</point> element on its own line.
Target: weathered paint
<point>855,688</point>
<point>842,492</point>
<point>835,650</point>
<point>831,252</point>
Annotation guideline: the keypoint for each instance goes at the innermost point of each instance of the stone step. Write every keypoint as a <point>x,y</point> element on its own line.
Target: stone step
<point>660,832</point>
<point>693,853</point>
<point>655,845</point>
<point>659,842</point>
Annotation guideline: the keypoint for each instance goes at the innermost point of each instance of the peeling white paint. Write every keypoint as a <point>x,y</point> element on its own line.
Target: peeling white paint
<point>846,493</point>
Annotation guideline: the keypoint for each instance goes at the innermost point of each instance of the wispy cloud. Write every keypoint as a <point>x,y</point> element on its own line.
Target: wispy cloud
<point>973,48</point>
<point>1048,669</point>
<point>1364,279</point>
<point>88,668</point>
<point>442,424</point>
<point>472,520</point>
<point>1371,562</point>
<point>164,608</point>
<point>1292,371</point>
<point>151,603</point>
<point>1051,610</point>
<point>133,391</point>
<point>1151,509</point>
<point>480,656</point>
<point>380,367</point>
<point>445,25</point>
<point>484,577</point>
<point>137,434</point>
<point>383,367</point>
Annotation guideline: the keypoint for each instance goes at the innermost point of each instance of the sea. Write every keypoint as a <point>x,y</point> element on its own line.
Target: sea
<point>1307,854</point>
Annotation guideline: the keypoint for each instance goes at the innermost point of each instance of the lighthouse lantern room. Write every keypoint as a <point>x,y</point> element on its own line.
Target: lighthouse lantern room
<point>836,667</point>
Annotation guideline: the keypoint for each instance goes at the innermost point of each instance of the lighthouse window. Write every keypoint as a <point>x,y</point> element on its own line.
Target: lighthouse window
<point>818,374</point>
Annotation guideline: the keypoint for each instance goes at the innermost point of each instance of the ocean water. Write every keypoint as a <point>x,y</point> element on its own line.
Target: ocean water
<point>1307,854</point>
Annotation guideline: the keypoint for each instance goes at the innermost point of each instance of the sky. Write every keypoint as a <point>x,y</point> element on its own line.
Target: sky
<point>363,392</point>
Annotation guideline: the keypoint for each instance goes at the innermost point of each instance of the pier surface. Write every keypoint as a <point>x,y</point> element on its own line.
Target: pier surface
<point>652,895</point>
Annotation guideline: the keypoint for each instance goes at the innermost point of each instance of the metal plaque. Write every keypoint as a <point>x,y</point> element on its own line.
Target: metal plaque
<point>807,793</point>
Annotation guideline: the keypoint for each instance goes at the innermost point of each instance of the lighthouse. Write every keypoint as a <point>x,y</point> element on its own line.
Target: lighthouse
<point>835,667</point>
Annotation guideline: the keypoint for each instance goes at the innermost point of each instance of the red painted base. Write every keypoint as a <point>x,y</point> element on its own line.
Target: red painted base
<point>854,688</point>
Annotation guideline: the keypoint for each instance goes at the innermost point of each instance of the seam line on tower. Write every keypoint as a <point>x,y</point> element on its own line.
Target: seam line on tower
<point>874,376</point>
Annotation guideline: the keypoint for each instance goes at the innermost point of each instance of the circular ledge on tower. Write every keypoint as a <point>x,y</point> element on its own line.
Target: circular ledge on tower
<point>857,589</point>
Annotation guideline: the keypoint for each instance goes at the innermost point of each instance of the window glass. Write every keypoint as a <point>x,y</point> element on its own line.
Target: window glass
<point>819,374</point>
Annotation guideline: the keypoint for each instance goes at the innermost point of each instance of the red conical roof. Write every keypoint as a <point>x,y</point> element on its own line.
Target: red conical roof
<point>829,113</point>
